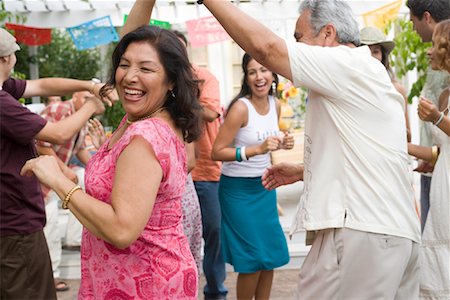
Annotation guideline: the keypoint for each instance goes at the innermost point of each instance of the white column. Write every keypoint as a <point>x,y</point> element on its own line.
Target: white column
<point>34,68</point>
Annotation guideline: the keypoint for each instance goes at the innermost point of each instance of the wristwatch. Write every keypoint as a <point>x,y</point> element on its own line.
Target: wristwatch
<point>94,81</point>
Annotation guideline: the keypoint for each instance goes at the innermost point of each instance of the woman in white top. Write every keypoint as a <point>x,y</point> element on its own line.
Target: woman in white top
<point>251,235</point>
<point>435,250</point>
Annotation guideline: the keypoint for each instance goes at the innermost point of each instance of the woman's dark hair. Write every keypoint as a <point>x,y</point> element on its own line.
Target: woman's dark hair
<point>245,89</point>
<point>385,62</point>
<point>184,108</point>
<point>181,36</point>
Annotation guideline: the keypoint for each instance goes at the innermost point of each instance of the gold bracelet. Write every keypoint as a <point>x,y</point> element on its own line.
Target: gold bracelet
<point>434,154</point>
<point>65,203</point>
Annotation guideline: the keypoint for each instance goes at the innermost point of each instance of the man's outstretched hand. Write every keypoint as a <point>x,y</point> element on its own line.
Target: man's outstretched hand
<point>282,174</point>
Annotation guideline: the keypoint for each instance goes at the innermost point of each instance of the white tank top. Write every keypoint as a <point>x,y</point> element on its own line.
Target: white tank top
<point>258,129</point>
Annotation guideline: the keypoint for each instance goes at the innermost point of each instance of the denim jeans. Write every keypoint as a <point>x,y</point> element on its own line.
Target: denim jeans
<point>213,263</point>
<point>425,182</point>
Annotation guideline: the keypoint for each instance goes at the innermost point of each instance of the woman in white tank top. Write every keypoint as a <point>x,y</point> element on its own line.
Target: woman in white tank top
<point>251,235</point>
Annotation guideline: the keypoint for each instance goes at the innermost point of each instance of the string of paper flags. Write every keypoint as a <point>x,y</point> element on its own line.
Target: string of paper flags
<point>100,31</point>
<point>201,31</point>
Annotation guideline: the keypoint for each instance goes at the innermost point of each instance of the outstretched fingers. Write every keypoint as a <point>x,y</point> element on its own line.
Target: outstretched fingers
<point>269,180</point>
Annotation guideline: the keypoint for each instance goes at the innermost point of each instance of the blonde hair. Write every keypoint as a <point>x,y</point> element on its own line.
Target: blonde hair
<point>441,39</point>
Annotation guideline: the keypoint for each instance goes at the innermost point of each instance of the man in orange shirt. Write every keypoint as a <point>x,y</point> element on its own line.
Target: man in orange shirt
<point>206,175</point>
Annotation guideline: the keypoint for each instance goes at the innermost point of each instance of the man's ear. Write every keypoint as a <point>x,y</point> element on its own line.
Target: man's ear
<point>428,18</point>
<point>330,34</point>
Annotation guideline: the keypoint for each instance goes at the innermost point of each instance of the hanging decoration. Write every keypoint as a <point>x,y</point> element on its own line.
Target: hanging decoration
<point>205,31</point>
<point>31,36</point>
<point>159,23</point>
<point>381,16</point>
<point>93,33</point>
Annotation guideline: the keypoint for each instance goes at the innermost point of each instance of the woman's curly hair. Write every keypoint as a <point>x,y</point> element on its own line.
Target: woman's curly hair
<point>441,47</point>
<point>183,105</point>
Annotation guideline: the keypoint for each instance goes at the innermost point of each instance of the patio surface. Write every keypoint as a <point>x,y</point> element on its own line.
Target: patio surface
<point>284,285</point>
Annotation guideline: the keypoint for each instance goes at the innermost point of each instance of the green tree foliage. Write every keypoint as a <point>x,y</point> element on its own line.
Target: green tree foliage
<point>113,115</point>
<point>7,16</point>
<point>60,58</point>
<point>410,53</point>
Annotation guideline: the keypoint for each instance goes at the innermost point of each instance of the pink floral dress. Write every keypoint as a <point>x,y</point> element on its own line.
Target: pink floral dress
<point>159,264</point>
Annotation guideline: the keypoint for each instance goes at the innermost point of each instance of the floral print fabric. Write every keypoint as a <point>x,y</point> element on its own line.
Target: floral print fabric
<point>159,264</point>
<point>192,221</point>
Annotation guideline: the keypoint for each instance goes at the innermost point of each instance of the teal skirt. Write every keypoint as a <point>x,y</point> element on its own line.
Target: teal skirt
<point>251,235</point>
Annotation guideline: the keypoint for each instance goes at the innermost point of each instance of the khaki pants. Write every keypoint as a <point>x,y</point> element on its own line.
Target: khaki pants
<point>347,264</point>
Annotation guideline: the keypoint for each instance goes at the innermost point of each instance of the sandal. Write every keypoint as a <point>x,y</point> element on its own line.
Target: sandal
<point>61,286</point>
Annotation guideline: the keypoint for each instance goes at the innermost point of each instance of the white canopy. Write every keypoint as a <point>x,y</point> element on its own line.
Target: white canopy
<point>67,13</point>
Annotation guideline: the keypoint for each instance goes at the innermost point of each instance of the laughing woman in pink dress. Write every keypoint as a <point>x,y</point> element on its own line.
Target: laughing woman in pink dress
<point>133,244</point>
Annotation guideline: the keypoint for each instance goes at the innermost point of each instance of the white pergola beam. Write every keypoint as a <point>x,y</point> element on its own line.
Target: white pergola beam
<point>68,13</point>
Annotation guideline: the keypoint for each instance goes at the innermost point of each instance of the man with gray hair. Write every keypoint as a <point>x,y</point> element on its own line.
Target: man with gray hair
<point>357,196</point>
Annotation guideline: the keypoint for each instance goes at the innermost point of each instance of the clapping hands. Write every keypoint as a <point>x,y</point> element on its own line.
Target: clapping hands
<point>287,142</point>
<point>97,133</point>
<point>274,143</point>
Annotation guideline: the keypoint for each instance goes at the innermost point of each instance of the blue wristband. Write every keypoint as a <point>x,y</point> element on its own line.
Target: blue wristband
<point>238,154</point>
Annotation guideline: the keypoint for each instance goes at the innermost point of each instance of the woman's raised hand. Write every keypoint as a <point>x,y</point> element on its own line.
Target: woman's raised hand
<point>109,98</point>
<point>272,143</point>
<point>97,133</point>
<point>427,110</point>
<point>287,141</point>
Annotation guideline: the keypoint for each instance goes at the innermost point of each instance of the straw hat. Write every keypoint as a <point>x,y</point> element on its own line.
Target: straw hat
<point>373,36</point>
<point>8,43</point>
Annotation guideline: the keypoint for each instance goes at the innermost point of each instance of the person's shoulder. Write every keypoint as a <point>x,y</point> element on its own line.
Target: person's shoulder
<point>240,107</point>
<point>151,128</point>
<point>12,83</point>
<point>338,53</point>
<point>14,87</point>
<point>243,101</point>
<point>362,53</point>
<point>438,77</point>
<point>202,73</point>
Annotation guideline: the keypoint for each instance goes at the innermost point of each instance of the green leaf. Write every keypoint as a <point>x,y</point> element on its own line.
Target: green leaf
<point>409,54</point>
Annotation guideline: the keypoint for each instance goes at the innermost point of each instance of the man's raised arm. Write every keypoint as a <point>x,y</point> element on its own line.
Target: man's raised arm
<point>256,39</point>
<point>139,16</point>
